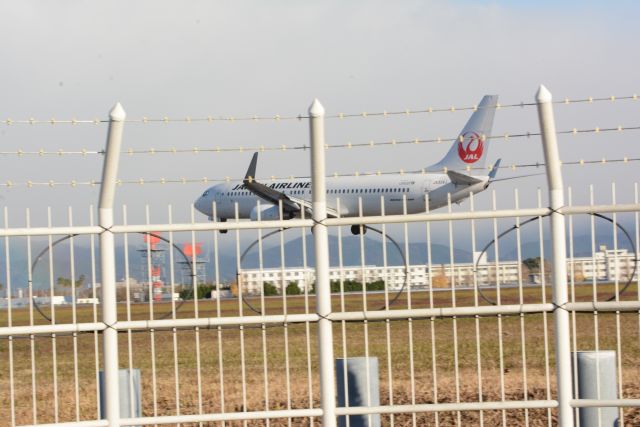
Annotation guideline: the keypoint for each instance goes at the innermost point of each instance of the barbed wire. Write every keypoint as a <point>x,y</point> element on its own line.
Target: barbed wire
<point>284,147</point>
<point>43,152</point>
<point>206,180</point>
<point>300,117</point>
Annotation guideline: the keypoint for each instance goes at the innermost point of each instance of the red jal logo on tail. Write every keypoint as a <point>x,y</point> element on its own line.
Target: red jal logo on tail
<point>470,147</point>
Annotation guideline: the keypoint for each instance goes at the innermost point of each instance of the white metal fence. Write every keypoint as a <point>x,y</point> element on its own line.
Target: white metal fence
<point>448,355</point>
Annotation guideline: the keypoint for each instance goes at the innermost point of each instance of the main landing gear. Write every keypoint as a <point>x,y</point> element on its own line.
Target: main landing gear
<point>356,229</point>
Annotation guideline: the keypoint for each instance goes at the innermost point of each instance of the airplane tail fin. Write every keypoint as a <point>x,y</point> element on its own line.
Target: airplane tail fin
<point>471,148</point>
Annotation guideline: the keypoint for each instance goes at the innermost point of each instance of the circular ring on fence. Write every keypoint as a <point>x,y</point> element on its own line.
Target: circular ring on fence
<point>535,218</point>
<point>384,307</point>
<point>64,238</point>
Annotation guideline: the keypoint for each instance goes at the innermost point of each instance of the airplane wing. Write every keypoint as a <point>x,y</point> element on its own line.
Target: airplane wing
<point>290,205</point>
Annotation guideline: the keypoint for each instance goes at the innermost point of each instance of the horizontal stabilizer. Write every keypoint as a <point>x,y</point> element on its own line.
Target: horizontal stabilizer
<point>461,179</point>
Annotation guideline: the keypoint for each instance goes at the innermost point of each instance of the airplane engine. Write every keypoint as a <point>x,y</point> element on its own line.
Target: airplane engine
<point>267,213</point>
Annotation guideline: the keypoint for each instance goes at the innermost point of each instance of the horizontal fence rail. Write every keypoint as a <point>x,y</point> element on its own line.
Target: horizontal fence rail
<point>307,223</point>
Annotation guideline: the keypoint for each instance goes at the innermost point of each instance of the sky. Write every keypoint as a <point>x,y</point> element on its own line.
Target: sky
<point>75,59</point>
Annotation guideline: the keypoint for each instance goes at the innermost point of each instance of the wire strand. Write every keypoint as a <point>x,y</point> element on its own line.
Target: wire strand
<point>279,118</point>
<point>283,147</point>
<point>206,180</point>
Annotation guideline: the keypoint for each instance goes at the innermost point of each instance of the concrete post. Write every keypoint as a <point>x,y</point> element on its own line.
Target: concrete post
<point>360,390</point>
<point>597,375</point>
<point>108,266</point>
<point>559,253</point>
<point>129,393</point>
<point>321,246</point>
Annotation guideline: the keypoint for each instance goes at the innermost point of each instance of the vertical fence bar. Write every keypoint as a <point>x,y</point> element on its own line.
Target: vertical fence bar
<point>307,328</point>
<point>107,264</point>
<point>559,277</point>
<point>476,302</point>
<point>7,261</point>
<point>32,341</point>
<point>94,312</point>
<point>321,245</point>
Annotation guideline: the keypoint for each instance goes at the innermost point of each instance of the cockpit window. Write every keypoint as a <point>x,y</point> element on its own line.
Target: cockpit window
<point>205,194</point>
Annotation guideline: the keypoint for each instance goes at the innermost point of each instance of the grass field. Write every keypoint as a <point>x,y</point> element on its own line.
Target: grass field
<point>272,383</point>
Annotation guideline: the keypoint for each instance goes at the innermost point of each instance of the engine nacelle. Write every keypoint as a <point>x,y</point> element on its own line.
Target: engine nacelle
<point>267,213</point>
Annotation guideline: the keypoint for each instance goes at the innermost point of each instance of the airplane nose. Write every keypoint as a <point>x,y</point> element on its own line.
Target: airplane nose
<point>199,204</point>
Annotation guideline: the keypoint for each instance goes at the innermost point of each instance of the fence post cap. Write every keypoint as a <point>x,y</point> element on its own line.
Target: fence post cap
<point>117,113</point>
<point>543,95</point>
<point>316,109</point>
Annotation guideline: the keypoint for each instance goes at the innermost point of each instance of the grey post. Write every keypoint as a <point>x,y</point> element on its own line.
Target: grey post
<point>559,279</point>
<point>321,246</point>
<point>108,266</point>
<point>360,390</point>
<point>128,384</point>
<point>597,375</point>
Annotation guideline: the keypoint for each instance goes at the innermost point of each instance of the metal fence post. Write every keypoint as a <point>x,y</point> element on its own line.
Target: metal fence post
<point>117,116</point>
<point>559,253</point>
<point>321,246</point>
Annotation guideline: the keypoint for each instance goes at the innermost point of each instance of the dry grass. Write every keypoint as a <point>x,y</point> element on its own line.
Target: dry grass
<point>302,390</point>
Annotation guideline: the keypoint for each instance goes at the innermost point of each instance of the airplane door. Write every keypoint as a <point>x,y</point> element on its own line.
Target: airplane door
<point>218,199</point>
<point>425,186</point>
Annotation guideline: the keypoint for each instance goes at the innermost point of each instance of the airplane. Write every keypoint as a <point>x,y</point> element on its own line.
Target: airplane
<point>445,180</point>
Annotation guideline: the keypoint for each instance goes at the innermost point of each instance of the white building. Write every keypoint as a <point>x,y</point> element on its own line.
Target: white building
<point>416,276</point>
<point>606,263</point>
<point>55,300</point>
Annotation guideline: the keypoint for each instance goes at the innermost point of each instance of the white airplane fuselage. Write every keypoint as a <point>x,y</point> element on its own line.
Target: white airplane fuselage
<point>446,181</point>
<point>353,196</point>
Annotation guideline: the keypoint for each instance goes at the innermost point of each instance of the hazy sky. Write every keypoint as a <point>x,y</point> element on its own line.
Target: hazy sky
<point>75,59</point>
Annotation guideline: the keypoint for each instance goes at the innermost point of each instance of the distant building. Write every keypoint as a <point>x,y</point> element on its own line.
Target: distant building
<point>91,301</point>
<point>224,293</point>
<point>415,276</point>
<point>607,265</point>
<point>55,300</point>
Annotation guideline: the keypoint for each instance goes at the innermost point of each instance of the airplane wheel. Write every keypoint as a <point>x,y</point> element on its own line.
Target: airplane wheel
<point>355,230</point>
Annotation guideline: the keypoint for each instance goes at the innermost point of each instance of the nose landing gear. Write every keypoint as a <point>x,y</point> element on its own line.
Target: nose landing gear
<point>223,231</point>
